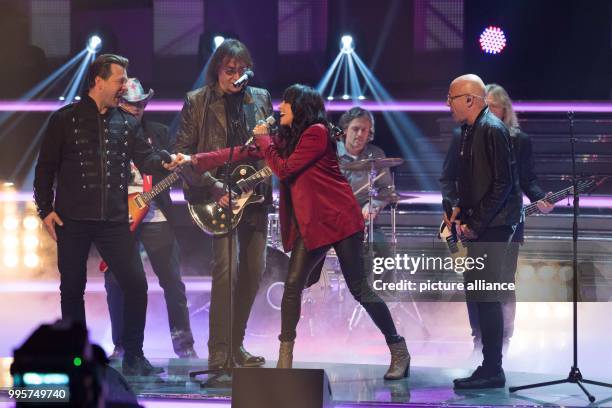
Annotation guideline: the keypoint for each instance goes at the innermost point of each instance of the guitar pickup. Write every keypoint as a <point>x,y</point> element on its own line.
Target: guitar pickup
<point>140,202</point>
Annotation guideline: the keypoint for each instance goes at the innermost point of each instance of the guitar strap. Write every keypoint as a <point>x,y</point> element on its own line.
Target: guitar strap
<point>147,183</point>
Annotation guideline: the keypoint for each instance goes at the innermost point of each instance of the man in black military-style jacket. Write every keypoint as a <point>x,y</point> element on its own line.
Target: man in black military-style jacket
<point>87,148</point>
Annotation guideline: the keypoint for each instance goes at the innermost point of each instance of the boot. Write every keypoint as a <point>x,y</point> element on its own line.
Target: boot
<point>285,354</point>
<point>243,358</point>
<point>400,361</point>
<point>138,365</point>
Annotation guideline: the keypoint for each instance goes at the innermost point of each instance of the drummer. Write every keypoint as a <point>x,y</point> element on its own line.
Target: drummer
<point>358,126</point>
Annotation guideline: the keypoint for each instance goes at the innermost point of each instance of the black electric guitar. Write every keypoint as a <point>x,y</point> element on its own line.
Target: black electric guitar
<point>457,245</point>
<point>212,218</point>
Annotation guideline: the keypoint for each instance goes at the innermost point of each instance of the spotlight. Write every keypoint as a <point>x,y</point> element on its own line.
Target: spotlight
<point>361,97</point>
<point>492,40</point>
<point>547,272</point>
<point>30,222</point>
<point>217,40</point>
<point>10,242</point>
<point>11,260</point>
<point>30,241</point>
<point>93,44</point>
<point>330,98</point>
<point>345,97</point>
<point>62,98</point>
<point>77,98</point>
<point>30,260</point>
<point>11,223</point>
<point>346,44</point>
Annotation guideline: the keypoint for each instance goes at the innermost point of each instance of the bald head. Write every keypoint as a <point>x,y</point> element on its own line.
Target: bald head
<point>466,98</point>
<point>469,83</point>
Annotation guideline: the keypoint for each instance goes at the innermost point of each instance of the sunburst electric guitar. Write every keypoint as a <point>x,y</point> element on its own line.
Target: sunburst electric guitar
<point>138,205</point>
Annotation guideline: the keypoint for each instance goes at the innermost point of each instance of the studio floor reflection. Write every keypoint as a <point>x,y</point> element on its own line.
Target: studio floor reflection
<point>348,347</point>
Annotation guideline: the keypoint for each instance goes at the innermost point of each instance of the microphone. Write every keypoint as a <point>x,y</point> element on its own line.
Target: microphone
<point>269,122</point>
<point>336,131</point>
<point>248,74</point>
<point>165,156</point>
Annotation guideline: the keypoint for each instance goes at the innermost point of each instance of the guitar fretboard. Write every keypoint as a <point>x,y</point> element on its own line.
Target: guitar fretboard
<point>159,187</point>
<point>253,180</point>
<point>558,196</point>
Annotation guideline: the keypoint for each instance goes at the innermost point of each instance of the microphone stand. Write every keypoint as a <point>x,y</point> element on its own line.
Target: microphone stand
<point>234,127</point>
<point>575,376</point>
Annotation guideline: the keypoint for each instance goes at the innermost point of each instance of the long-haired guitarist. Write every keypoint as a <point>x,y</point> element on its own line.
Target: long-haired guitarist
<point>216,116</point>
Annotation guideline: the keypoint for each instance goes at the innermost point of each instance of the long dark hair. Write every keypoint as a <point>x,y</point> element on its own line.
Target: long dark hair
<point>228,50</point>
<point>308,109</point>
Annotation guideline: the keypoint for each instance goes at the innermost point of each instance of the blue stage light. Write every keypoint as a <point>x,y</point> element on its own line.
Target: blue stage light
<point>346,44</point>
<point>217,40</point>
<point>94,43</point>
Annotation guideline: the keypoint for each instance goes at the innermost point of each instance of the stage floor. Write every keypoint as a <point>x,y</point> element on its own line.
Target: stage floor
<point>362,385</point>
<point>353,355</point>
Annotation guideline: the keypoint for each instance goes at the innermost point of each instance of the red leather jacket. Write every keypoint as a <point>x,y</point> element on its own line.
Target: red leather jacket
<point>313,191</point>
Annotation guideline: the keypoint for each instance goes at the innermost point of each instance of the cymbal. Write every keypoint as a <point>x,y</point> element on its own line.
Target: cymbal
<point>393,197</point>
<point>377,164</point>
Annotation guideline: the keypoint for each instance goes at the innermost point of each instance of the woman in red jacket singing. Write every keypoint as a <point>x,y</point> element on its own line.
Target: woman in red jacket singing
<point>318,211</point>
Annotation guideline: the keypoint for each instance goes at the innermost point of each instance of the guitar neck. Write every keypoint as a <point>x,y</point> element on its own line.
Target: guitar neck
<point>558,196</point>
<point>253,180</point>
<point>159,187</point>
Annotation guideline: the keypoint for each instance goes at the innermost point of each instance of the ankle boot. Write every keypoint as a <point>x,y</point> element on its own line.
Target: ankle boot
<point>285,354</point>
<point>400,361</point>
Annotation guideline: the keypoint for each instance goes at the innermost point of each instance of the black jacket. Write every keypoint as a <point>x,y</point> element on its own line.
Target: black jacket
<point>528,180</point>
<point>158,135</point>
<point>88,156</point>
<point>523,150</point>
<point>203,128</point>
<point>484,180</point>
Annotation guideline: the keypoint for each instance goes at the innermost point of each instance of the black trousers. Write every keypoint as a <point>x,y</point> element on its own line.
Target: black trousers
<point>115,244</point>
<point>487,306</point>
<point>350,255</point>
<point>162,249</point>
<point>248,264</point>
<point>509,303</point>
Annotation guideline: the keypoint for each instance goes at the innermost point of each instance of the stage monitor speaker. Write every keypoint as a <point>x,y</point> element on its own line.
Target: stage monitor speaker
<point>280,388</point>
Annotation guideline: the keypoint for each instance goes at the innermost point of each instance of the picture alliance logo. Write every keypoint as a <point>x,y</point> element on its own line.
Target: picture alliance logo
<point>412,264</point>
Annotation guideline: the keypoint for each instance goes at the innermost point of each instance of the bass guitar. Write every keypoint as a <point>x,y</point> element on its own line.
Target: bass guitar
<point>457,245</point>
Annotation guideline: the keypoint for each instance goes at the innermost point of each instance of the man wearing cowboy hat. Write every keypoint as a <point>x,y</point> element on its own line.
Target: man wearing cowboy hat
<point>156,235</point>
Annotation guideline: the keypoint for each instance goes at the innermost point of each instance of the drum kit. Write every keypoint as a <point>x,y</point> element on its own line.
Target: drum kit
<point>332,284</point>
